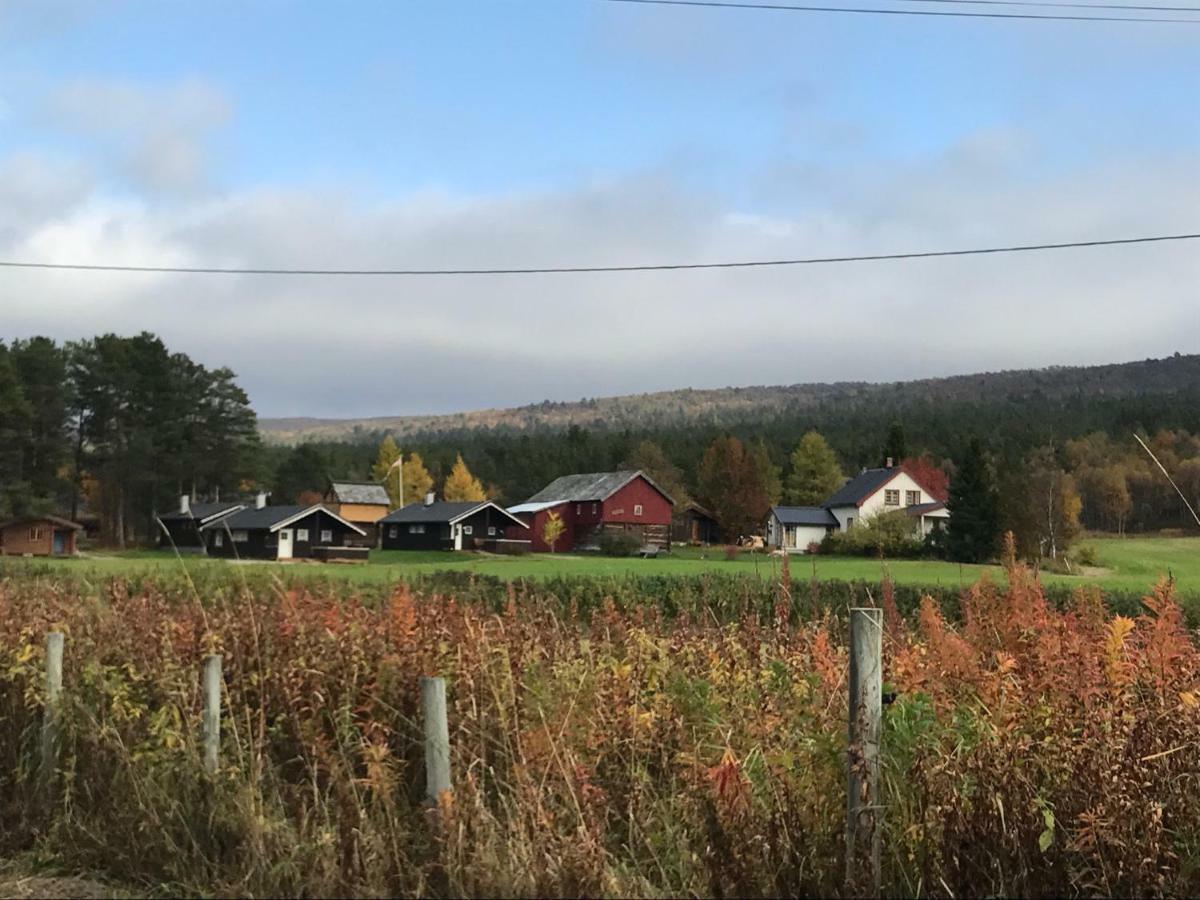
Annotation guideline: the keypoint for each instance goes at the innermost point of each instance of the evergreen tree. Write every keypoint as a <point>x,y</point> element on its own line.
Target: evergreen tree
<point>15,431</point>
<point>974,523</point>
<point>815,473</point>
<point>305,470</point>
<point>895,448</point>
<point>41,366</point>
<point>461,484</point>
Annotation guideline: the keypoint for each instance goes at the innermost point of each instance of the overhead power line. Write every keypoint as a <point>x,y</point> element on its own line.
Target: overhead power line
<point>557,270</point>
<point>877,11</point>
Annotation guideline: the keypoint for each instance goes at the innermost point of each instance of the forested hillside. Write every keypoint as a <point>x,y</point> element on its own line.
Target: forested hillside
<point>728,406</point>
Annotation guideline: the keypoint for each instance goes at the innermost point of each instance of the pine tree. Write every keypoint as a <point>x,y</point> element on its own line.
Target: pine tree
<point>895,448</point>
<point>815,473</point>
<point>461,484</point>
<point>974,520</point>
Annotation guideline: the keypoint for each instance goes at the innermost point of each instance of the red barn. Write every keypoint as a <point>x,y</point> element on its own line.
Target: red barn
<point>596,504</point>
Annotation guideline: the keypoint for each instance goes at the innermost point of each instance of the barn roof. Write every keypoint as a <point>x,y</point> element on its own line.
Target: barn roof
<point>591,486</point>
<point>803,515</point>
<point>369,493</point>
<point>862,486</point>
<point>442,512</point>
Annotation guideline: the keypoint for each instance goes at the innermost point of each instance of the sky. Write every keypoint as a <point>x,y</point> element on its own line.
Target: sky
<point>527,133</point>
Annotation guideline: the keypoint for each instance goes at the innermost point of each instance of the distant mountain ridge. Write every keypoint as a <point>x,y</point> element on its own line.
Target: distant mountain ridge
<point>721,406</point>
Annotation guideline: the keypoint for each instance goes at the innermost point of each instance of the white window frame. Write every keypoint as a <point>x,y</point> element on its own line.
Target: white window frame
<point>491,531</point>
<point>302,534</point>
<point>637,509</point>
<point>888,493</point>
<point>416,528</point>
<point>218,539</point>
<point>35,533</point>
<point>326,535</point>
<point>393,530</point>
<point>468,529</point>
<point>578,509</point>
<point>241,536</point>
<point>594,505</point>
<point>912,498</point>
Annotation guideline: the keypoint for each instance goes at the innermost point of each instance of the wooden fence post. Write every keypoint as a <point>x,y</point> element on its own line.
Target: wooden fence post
<point>863,813</point>
<point>437,738</point>
<point>51,716</point>
<point>212,713</point>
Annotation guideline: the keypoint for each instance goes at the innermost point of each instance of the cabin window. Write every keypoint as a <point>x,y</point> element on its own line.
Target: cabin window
<point>468,529</point>
<point>849,522</point>
<point>491,531</point>
<point>302,534</point>
<point>416,529</point>
<point>392,529</point>
<point>218,540</point>
<point>594,508</point>
<point>326,535</point>
<point>35,534</point>
<point>578,508</point>
<point>912,498</point>
<point>240,537</point>
<point>637,509</point>
<point>891,497</point>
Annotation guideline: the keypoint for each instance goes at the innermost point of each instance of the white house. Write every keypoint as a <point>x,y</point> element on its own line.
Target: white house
<point>871,492</point>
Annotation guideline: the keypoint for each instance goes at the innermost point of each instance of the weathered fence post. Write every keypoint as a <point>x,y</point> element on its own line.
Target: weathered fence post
<point>863,837</point>
<point>52,717</point>
<point>212,713</point>
<point>437,738</point>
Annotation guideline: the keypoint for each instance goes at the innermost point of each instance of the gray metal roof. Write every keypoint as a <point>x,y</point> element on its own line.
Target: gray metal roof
<point>202,511</point>
<point>366,492</point>
<point>591,486</point>
<point>862,486</point>
<point>270,517</point>
<point>804,515</point>
<point>442,512</point>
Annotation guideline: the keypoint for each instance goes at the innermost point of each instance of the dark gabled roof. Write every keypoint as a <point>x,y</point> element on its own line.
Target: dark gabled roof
<point>862,486</point>
<point>591,486</point>
<point>804,515</point>
<point>203,512</point>
<point>271,517</point>
<point>53,520</point>
<point>366,492</point>
<point>443,512</point>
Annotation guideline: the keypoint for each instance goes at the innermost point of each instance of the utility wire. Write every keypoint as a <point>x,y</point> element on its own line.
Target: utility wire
<point>556,270</point>
<point>722,4</point>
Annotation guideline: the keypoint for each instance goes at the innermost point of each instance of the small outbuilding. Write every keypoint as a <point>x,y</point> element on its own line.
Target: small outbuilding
<point>181,529</point>
<point>38,536</point>
<point>697,526</point>
<point>284,532</point>
<point>362,502</point>
<point>795,528</point>
<point>453,525</point>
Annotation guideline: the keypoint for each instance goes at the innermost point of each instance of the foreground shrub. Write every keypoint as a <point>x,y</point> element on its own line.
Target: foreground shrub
<point>890,534</point>
<point>602,748</point>
<point>620,543</point>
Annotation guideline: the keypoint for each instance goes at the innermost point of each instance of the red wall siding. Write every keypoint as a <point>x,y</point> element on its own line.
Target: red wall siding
<point>537,522</point>
<point>656,510</point>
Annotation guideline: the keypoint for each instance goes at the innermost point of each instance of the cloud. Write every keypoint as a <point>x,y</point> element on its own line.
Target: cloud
<point>358,346</point>
<point>158,135</point>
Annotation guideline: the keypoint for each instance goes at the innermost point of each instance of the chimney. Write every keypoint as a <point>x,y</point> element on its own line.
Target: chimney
<point>429,499</point>
<point>889,462</point>
<point>260,500</point>
<point>185,504</point>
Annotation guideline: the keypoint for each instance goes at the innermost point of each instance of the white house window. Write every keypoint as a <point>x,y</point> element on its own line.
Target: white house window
<point>392,529</point>
<point>891,497</point>
<point>416,529</point>
<point>468,529</point>
<point>594,509</point>
<point>302,534</point>
<point>218,540</point>
<point>491,531</point>
<point>912,498</point>
<point>240,537</point>
<point>35,534</point>
<point>326,535</point>
<point>637,509</point>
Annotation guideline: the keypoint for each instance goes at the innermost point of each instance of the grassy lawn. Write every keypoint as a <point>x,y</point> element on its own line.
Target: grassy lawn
<point>1126,563</point>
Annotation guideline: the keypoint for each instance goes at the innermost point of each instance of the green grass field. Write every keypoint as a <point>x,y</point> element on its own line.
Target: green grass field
<point>1131,564</point>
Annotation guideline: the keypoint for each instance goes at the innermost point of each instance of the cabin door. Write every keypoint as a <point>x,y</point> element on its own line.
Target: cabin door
<point>60,543</point>
<point>285,543</point>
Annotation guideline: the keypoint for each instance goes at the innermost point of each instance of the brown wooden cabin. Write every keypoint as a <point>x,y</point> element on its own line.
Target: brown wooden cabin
<point>363,503</point>
<point>38,536</point>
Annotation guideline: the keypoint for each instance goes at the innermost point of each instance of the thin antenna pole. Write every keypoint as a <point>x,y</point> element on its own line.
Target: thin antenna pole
<point>1162,468</point>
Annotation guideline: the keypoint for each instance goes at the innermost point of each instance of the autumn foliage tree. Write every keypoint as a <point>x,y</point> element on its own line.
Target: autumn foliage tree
<point>553,529</point>
<point>733,485</point>
<point>461,484</point>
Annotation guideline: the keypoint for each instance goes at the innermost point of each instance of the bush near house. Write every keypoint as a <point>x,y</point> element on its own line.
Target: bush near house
<point>890,534</point>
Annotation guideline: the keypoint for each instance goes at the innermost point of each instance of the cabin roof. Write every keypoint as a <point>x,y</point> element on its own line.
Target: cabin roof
<point>804,515</point>
<point>369,493</point>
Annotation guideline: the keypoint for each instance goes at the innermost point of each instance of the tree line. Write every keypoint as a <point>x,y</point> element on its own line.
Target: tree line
<point>118,428</point>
